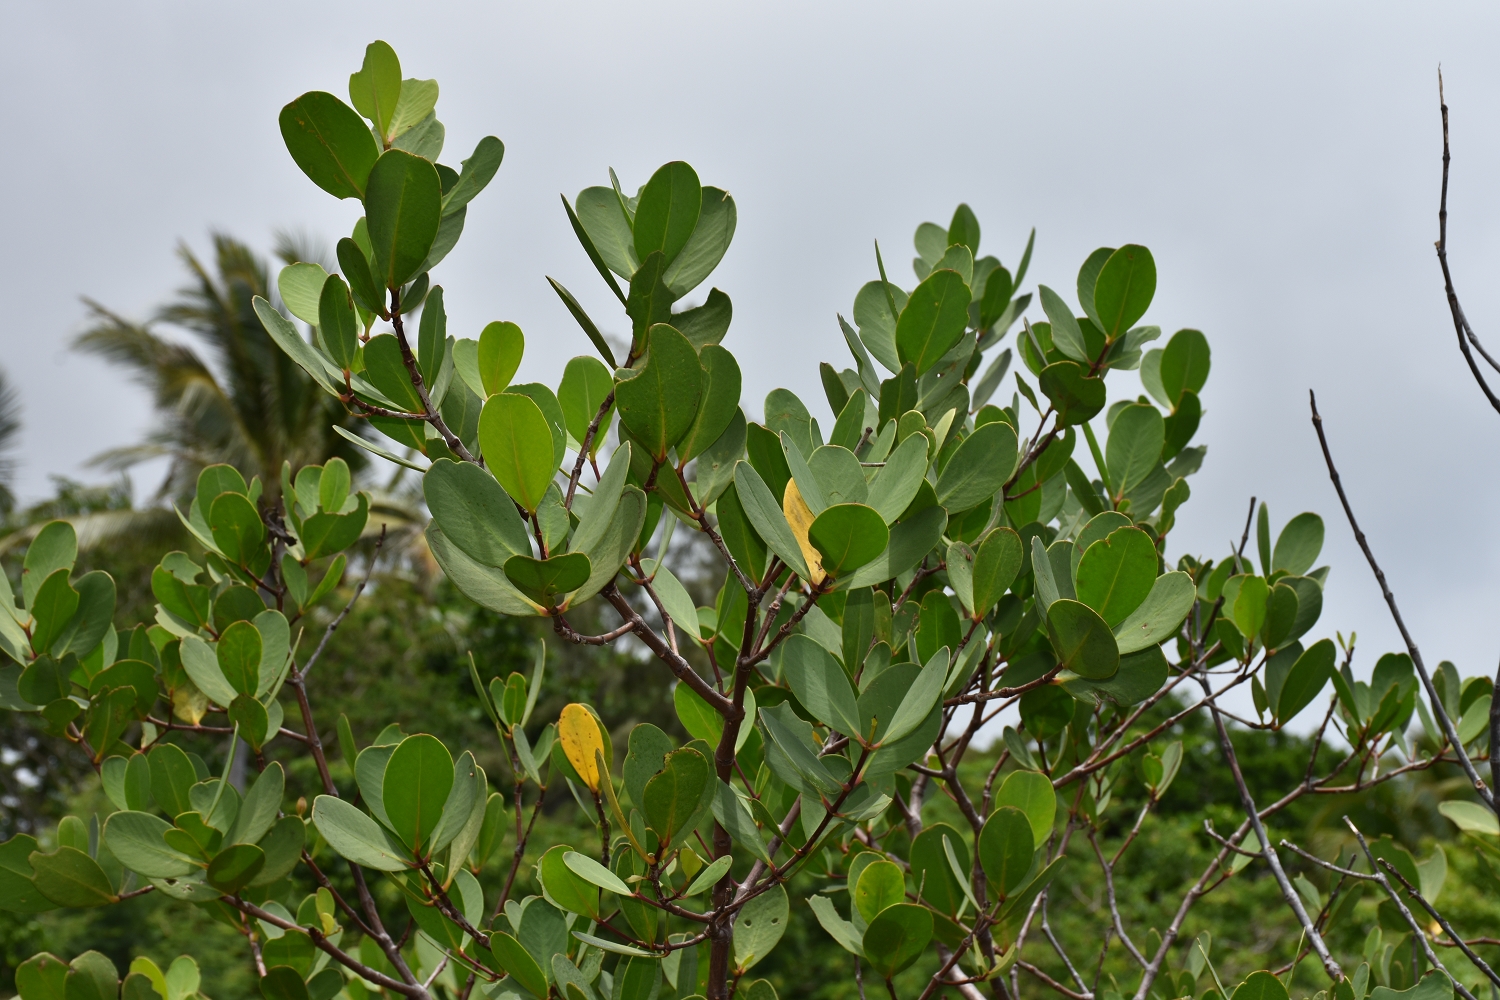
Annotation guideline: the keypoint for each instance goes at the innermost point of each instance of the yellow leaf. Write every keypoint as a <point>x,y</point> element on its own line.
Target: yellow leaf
<point>579,733</point>
<point>801,518</point>
<point>189,704</point>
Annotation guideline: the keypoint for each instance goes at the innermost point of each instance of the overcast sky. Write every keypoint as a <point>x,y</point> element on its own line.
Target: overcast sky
<point>1280,160</point>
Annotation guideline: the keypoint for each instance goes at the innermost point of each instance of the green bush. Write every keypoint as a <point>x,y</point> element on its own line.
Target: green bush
<point>884,591</point>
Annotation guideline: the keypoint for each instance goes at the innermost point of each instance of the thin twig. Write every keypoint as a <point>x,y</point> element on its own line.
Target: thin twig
<point>1435,702</point>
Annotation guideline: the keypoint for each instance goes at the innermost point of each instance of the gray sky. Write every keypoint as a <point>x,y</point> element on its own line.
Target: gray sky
<point>1280,160</point>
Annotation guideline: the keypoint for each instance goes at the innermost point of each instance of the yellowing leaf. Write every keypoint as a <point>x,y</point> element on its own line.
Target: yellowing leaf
<point>189,704</point>
<point>801,518</point>
<point>579,733</point>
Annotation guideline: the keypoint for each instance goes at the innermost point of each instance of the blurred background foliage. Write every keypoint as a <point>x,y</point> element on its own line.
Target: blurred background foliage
<point>224,393</point>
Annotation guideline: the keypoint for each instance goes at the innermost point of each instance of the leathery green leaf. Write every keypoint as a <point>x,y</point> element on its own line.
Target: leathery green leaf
<point>980,466</point>
<point>1031,792</point>
<point>933,320</point>
<point>847,536</point>
<point>1116,574</point>
<point>1159,615</point>
<point>500,348</point>
<point>671,798</point>
<point>403,206</point>
<point>1005,848</point>
<point>760,926</point>
<point>897,937</point>
<point>1082,641</point>
<point>997,561</point>
<point>881,884</point>
<point>820,684</point>
<point>543,580</point>
<point>668,211</point>
<point>329,142</point>
<point>1124,289</point>
<point>517,443</point>
<point>658,404</point>
<point>415,788</point>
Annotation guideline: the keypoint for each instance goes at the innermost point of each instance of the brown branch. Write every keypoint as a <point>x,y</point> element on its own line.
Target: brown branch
<point>1436,703</point>
<point>583,450</point>
<point>1460,321</point>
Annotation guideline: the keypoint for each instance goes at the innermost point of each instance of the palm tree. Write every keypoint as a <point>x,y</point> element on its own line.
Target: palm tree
<point>243,401</point>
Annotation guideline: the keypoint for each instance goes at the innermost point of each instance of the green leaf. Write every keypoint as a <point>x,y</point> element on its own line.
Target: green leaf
<point>1135,443</point>
<point>841,930</point>
<point>881,884</point>
<point>911,540</point>
<point>896,485</point>
<point>672,798</point>
<point>258,811</point>
<point>668,211</point>
<point>42,977</point>
<point>1245,598</point>
<point>376,88</point>
<point>1117,573</point>
<point>282,982</point>
<point>1471,817</point>
<point>586,383</point>
<point>517,443</point>
<point>239,657</point>
<point>238,531</point>
<point>766,517</point>
<point>543,580</point>
<point>820,684</point>
<point>1260,986</point>
<point>135,838</point>
<point>609,227</point>
<point>848,536</point>
<point>997,562</point>
<point>356,269</point>
<point>474,512</point>
<point>1031,792</point>
<point>979,468</point>
<point>1076,396</point>
<point>1067,336</point>
<point>385,368</point>
<point>415,788</point>
<point>659,403</point>
<point>719,401</point>
<point>1006,846</point>
<point>1306,678</point>
<point>500,348</point>
<point>897,937</point>
<point>920,698</point>
<point>91,976</point>
<point>1082,640</point>
<point>1124,289</point>
<point>52,608</point>
<point>1159,616</point>
<point>478,170</point>
<point>705,247</point>
<point>564,887</point>
<point>592,871</point>
<point>69,877</point>
<point>514,960</point>
<point>355,836</point>
<point>649,302</point>
<point>338,326</point>
<point>736,820</point>
<point>933,320</point>
<point>787,732</point>
<point>329,142</point>
<point>1184,365</point>
<point>234,867</point>
<point>172,775</point>
<point>403,206</point>
<point>300,286</point>
<point>759,927</point>
<point>1298,545</point>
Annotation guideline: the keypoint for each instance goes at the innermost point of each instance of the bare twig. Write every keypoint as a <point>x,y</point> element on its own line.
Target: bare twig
<point>1418,934</point>
<point>1434,701</point>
